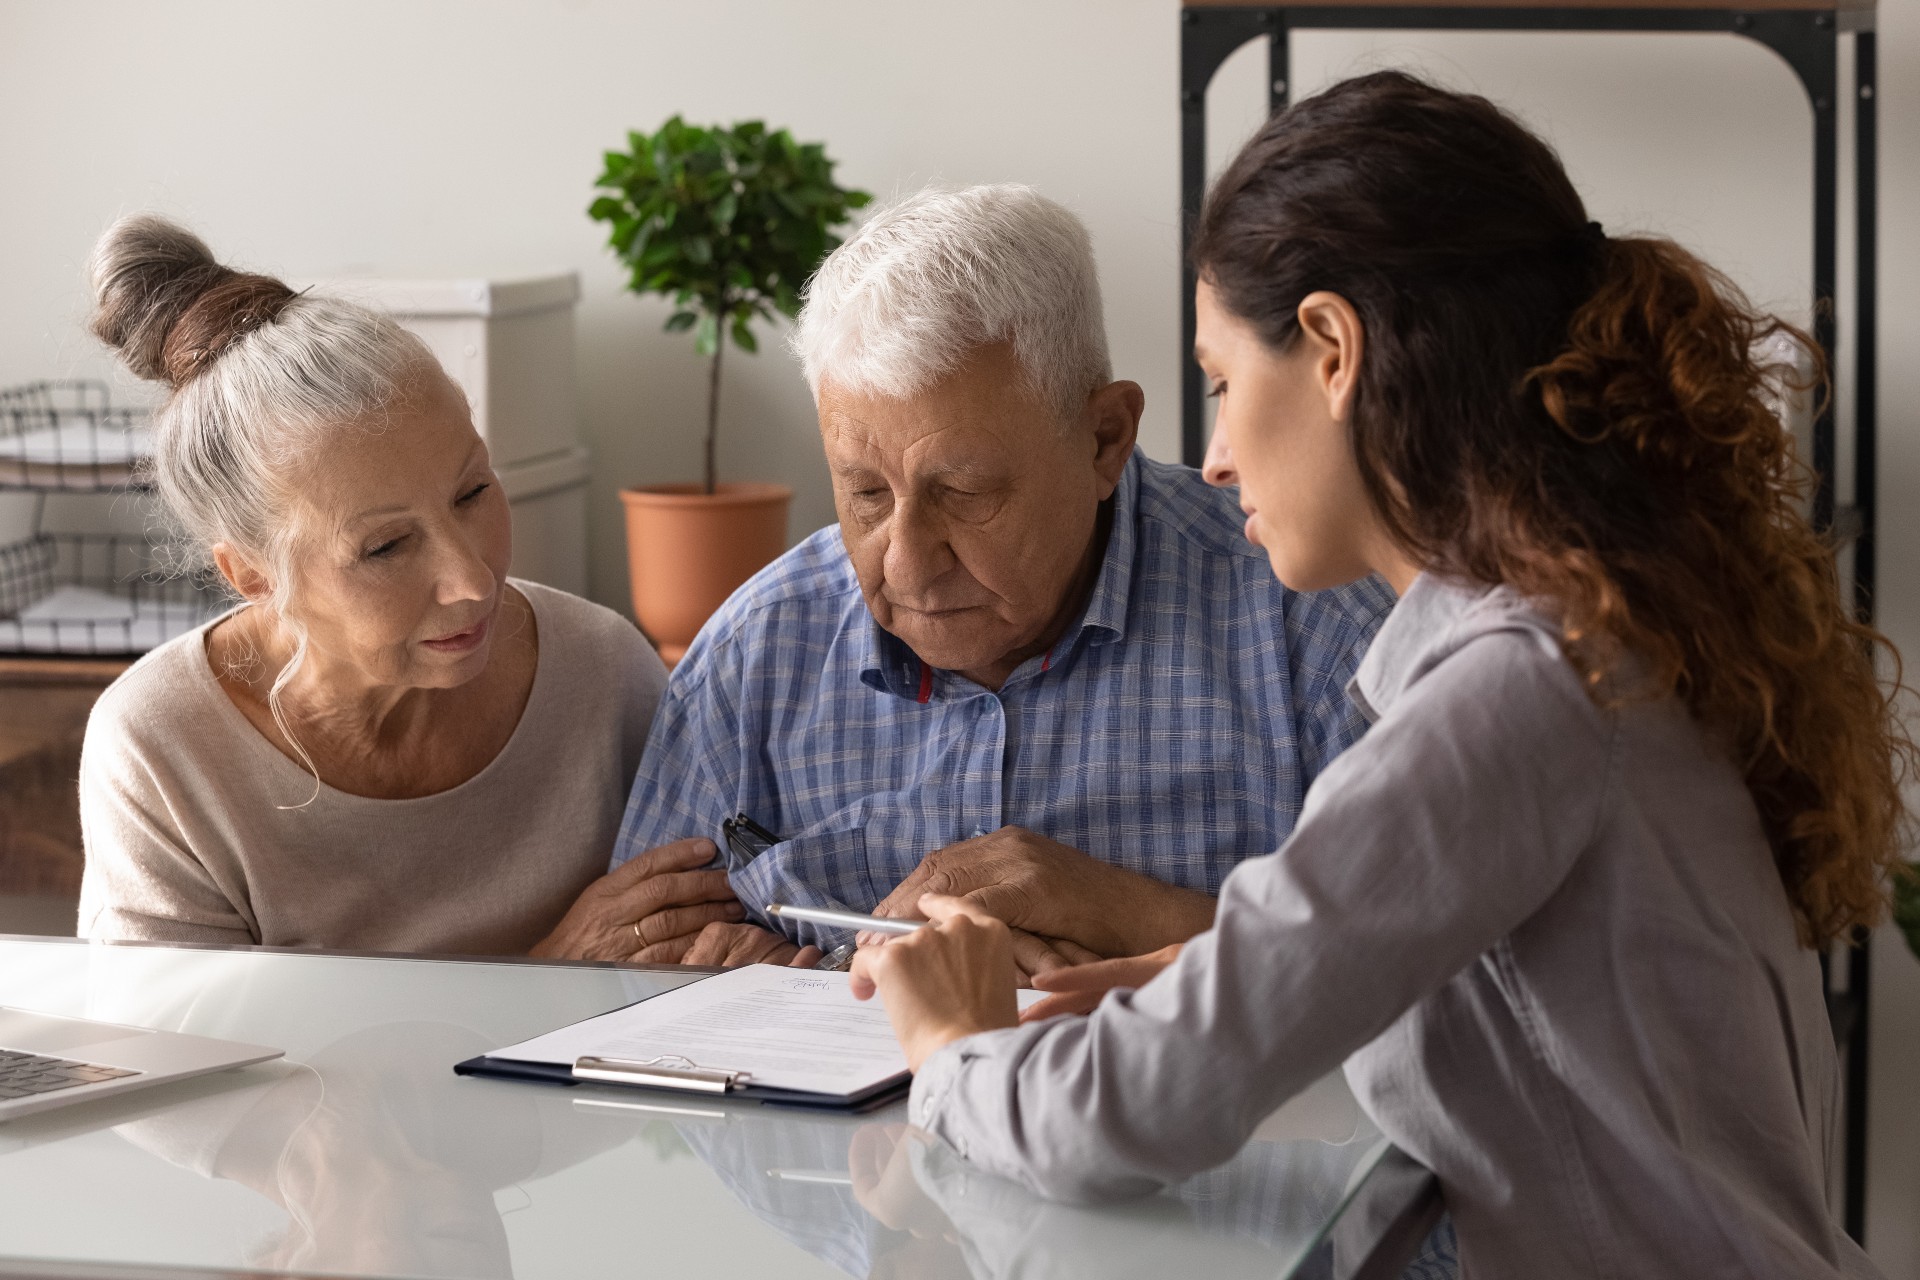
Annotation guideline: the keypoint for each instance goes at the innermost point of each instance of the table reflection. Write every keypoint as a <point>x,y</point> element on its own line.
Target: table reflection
<point>878,1199</point>
<point>381,1161</point>
<point>372,1176</point>
<point>363,1154</point>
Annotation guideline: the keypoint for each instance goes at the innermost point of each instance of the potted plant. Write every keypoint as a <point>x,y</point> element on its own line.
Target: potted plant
<point>729,223</point>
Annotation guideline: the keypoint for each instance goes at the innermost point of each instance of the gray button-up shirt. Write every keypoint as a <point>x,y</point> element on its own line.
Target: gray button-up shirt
<point>1549,944</point>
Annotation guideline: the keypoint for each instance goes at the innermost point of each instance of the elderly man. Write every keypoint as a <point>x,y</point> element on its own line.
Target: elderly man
<point>1029,664</point>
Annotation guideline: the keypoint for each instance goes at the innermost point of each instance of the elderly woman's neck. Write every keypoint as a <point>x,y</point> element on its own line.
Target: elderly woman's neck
<point>372,737</point>
<point>341,702</point>
<point>335,700</point>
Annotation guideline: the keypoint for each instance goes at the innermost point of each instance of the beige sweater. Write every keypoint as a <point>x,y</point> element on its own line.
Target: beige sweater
<point>185,842</point>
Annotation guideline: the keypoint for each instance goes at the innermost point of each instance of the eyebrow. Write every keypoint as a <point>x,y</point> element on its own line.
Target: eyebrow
<point>970,470</point>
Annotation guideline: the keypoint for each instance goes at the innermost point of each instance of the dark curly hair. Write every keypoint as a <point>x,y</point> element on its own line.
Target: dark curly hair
<point>1592,422</point>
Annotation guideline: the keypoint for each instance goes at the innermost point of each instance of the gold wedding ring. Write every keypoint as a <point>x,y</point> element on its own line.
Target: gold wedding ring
<point>635,926</point>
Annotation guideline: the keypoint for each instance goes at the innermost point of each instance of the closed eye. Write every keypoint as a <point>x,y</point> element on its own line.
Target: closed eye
<point>474,492</point>
<point>386,548</point>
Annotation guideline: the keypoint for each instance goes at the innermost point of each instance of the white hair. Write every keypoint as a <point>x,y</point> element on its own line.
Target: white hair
<point>926,281</point>
<point>259,376</point>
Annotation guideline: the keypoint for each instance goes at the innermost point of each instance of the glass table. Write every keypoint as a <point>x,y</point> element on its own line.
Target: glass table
<point>362,1154</point>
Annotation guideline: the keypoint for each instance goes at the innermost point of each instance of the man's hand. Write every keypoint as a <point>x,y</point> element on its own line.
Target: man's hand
<point>650,909</point>
<point>1082,987</point>
<point>943,983</point>
<point>732,945</point>
<point>1056,892</point>
<point>1034,955</point>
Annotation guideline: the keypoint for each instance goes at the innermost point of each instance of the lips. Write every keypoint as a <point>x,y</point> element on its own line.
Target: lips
<point>941,612</point>
<point>461,641</point>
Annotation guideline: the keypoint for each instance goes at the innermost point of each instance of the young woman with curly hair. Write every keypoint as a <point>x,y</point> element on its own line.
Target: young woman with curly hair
<point>1630,766</point>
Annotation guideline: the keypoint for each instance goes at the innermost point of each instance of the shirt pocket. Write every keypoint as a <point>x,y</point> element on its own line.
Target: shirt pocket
<point>817,869</point>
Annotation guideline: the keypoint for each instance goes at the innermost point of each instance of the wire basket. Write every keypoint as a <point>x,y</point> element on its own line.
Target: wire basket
<point>98,593</point>
<point>70,437</point>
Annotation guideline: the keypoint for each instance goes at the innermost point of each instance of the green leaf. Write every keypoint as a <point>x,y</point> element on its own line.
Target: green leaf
<point>706,339</point>
<point>681,321</point>
<point>1906,905</point>
<point>724,219</point>
<point>627,238</point>
<point>743,336</point>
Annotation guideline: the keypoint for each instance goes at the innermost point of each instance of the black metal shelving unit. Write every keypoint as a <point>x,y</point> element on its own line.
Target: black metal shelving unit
<point>66,441</point>
<point>1810,39</point>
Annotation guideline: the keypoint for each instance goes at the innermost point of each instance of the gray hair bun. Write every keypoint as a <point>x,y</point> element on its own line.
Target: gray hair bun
<point>165,304</point>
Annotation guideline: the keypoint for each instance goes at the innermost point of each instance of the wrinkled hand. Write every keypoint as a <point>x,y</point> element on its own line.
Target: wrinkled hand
<point>732,945</point>
<point>940,984</point>
<point>1056,893</point>
<point>1034,955</point>
<point>1081,988</point>
<point>650,909</point>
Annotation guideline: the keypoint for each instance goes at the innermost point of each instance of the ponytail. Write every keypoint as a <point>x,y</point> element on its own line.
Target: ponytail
<point>1731,601</point>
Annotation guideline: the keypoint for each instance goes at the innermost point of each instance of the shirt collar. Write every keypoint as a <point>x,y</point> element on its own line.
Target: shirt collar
<point>887,664</point>
<point>1433,620</point>
<point>1105,617</point>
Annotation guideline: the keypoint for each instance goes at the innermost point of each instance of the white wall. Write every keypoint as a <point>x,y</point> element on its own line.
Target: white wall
<point>460,137</point>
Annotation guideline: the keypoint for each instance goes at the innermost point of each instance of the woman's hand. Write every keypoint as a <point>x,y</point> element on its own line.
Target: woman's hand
<point>650,909</point>
<point>731,945</point>
<point>1079,989</point>
<point>942,983</point>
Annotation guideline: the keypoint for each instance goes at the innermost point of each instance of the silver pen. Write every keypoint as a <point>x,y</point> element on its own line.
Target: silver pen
<point>844,919</point>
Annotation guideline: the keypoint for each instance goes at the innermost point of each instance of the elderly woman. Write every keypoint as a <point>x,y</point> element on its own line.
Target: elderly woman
<point>391,744</point>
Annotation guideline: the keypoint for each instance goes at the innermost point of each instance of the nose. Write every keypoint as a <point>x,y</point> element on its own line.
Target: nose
<point>464,573</point>
<point>1217,468</point>
<point>918,553</point>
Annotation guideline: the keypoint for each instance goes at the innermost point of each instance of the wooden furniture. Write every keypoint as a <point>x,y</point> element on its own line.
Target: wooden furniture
<point>44,703</point>
<point>1808,35</point>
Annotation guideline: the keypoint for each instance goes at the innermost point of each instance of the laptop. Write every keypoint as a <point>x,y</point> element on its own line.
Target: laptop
<point>47,1061</point>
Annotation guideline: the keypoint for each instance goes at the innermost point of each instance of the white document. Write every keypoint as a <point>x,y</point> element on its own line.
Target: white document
<point>795,1029</point>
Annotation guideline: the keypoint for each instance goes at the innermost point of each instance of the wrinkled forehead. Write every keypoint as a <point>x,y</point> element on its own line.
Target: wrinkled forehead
<point>968,426</point>
<point>406,455</point>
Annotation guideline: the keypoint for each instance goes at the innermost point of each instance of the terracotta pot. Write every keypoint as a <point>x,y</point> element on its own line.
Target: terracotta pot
<point>688,551</point>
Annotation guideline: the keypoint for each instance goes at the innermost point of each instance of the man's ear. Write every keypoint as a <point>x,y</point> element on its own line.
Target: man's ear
<point>241,573</point>
<point>1113,414</point>
<point>1330,324</point>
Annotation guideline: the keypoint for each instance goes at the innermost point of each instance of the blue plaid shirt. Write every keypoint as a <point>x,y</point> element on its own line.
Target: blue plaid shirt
<point>1172,730</point>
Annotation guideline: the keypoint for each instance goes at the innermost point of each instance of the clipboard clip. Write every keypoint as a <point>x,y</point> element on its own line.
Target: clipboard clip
<point>668,1071</point>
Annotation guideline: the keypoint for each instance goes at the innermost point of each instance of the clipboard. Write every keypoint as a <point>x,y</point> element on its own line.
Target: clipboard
<point>762,1033</point>
<point>691,1080</point>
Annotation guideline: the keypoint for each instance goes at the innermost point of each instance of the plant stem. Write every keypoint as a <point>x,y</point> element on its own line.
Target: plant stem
<point>713,405</point>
